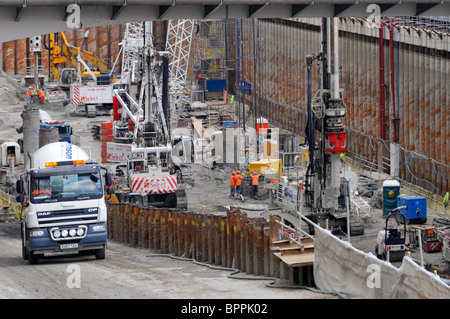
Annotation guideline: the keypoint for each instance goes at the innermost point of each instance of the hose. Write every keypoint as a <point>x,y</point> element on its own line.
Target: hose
<point>234,275</point>
<point>443,221</point>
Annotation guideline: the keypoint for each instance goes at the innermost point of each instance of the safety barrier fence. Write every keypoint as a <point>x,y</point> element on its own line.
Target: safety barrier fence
<point>236,241</point>
<point>339,267</point>
<point>418,174</point>
<point>233,240</point>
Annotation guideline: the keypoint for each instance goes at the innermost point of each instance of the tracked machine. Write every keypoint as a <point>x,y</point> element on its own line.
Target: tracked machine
<point>323,195</point>
<point>142,146</point>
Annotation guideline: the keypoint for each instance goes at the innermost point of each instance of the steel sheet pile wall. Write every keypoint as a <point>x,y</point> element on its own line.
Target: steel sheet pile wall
<point>412,67</point>
<point>416,87</point>
<point>280,72</point>
<point>232,241</point>
<point>102,41</point>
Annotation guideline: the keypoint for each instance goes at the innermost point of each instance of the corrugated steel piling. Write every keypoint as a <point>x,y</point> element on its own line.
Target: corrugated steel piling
<point>234,241</point>
<point>217,241</point>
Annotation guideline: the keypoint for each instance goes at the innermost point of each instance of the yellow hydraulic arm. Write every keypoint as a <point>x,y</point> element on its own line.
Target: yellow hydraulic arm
<point>69,54</point>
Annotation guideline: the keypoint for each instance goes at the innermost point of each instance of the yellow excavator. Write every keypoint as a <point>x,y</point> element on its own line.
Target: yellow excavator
<point>69,53</point>
<point>88,83</point>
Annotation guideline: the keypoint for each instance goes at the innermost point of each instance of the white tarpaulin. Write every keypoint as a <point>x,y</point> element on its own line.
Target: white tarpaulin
<point>341,268</point>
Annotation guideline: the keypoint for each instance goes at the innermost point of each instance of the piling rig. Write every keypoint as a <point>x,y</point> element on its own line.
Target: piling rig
<point>326,192</point>
<point>323,195</point>
<point>151,175</point>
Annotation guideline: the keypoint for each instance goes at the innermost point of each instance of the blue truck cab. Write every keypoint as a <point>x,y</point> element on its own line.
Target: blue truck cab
<point>64,130</point>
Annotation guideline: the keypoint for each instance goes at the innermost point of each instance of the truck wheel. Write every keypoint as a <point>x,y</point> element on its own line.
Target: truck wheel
<point>377,253</point>
<point>100,253</point>
<point>24,251</point>
<point>33,259</point>
<point>22,234</point>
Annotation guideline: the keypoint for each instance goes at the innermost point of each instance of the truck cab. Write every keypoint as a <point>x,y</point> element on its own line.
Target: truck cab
<point>64,200</point>
<point>64,130</point>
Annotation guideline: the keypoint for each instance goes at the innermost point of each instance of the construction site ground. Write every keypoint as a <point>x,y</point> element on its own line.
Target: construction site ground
<point>137,273</point>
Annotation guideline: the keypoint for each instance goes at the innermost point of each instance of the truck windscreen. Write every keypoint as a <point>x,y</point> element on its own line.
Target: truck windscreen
<point>65,187</point>
<point>63,132</point>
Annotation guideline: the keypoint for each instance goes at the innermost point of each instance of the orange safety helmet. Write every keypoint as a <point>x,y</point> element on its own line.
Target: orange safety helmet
<point>238,172</point>
<point>232,173</point>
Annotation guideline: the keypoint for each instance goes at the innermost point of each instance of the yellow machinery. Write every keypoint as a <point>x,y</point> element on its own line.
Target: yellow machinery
<point>265,165</point>
<point>68,53</point>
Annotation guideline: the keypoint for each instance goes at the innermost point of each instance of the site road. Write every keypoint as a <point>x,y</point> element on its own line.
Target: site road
<point>126,272</point>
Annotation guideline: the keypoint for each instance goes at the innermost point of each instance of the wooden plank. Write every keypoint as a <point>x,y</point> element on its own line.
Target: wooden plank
<point>297,250</point>
<point>297,260</point>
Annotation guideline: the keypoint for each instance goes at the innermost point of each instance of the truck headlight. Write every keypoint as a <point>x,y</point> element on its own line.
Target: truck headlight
<point>57,234</point>
<point>36,233</point>
<point>72,232</point>
<point>64,233</point>
<point>80,231</point>
<point>98,227</point>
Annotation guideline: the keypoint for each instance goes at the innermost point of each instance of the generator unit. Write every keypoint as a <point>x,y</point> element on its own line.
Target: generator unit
<point>415,209</point>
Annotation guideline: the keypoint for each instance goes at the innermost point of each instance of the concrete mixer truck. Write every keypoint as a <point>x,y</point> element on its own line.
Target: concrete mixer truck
<point>63,195</point>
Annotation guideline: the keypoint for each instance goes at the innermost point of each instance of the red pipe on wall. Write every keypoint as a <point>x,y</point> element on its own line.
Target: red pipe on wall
<point>391,57</point>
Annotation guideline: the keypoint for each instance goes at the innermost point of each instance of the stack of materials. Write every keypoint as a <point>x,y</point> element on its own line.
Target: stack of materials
<point>106,135</point>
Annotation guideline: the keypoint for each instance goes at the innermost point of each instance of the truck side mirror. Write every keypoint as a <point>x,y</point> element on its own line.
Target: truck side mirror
<point>19,186</point>
<point>108,179</point>
<point>20,198</point>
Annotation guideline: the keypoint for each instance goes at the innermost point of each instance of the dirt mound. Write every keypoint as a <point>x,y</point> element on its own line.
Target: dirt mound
<point>10,91</point>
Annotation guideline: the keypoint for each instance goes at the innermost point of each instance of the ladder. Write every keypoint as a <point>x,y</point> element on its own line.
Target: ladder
<point>363,209</point>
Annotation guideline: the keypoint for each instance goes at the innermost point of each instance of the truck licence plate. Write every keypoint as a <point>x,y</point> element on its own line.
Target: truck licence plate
<point>68,246</point>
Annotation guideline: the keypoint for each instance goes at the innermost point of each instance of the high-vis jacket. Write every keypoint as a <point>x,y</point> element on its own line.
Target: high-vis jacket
<point>232,180</point>
<point>41,192</point>
<point>255,177</point>
<point>238,179</point>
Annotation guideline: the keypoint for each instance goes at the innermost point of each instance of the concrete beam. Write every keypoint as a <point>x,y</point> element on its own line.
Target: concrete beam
<point>23,18</point>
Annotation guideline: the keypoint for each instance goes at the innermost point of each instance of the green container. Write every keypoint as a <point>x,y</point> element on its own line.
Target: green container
<point>391,190</point>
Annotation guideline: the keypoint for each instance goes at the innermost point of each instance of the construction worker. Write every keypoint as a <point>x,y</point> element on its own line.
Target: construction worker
<point>232,183</point>
<point>42,188</point>
<point>30,93</point>
<point>41,95</point>
<point>255,184</point>
<point>238,183</point>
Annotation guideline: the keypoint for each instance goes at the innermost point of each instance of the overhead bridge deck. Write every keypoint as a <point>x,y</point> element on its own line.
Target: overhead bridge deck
<point>24,18</point>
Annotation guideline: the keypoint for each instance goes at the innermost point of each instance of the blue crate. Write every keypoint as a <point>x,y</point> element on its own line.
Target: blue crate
<point>416,208</point>
<point>229,123</point>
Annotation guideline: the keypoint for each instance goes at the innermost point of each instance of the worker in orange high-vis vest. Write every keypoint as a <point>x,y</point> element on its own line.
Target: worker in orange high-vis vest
<point>30,93</point>
<point>232,183</point>
<point>238,179</point>
<point>255,184</point>
<point>41,95</point>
